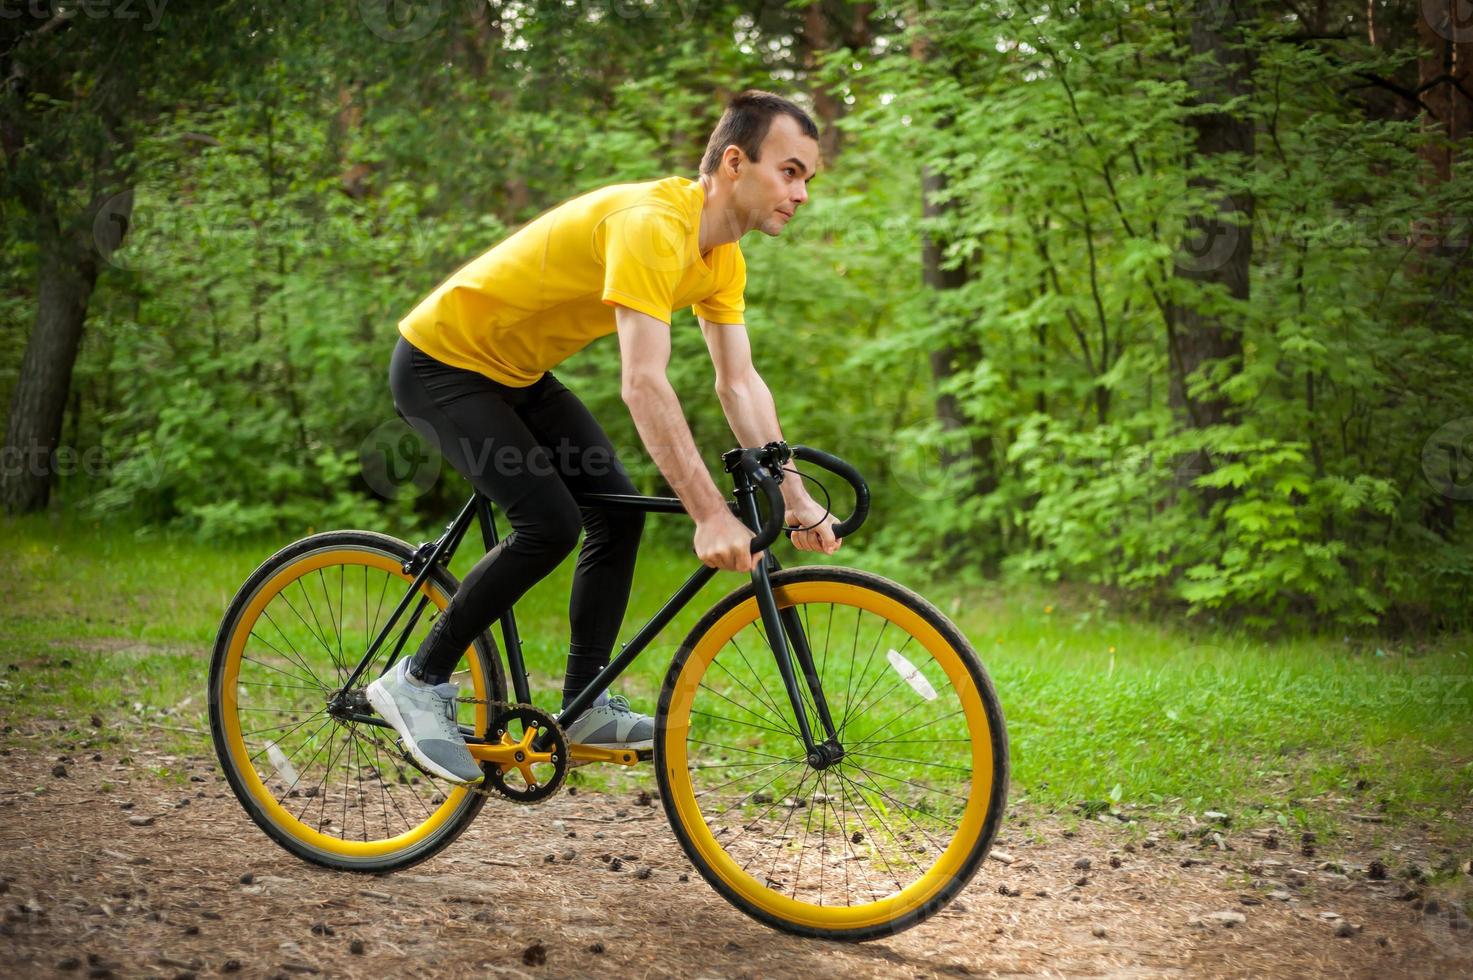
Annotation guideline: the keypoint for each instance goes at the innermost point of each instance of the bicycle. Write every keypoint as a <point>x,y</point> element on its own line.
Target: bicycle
<point>829,749</point>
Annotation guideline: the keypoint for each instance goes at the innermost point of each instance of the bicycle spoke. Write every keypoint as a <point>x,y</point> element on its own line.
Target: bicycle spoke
<point>358,773</point>
<point>890,833</point>
<point>753,794</point>
<point>295,677</point>
<point>869,836</point>
<point>823,834</point>
<point>747,710</point>
<point>770,704</point>
<point>748,775</point>
<point>272,728</point>
<point>313,795</point>
<point>733,721</point>
<point>405,779</point>
<point>894,685</point>
<point>732,748</point>
<point>294,657</point>
<point>337,658</point>
<point>748,825</point>
<point>907,782</point>
<point>849,857</point>
<point>280,687</point>
<point>342,613</point>
<point>867,661</point>
<point>914,762</point>
<point>896,738</point>
<point>384,790</point>
<point>347,785</point>
<point>796,799</point>
<point>906,807</point>
<point>805,697</point>
<point>377,612</point>
<point>317,632</point>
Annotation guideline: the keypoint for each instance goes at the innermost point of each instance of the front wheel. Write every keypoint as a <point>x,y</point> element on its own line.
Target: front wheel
<point>870,845</point>
<point>327,786</point>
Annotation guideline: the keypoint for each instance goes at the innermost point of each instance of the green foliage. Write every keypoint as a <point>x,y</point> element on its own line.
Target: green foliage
<point>237,346</point>
<point>1065,151</point>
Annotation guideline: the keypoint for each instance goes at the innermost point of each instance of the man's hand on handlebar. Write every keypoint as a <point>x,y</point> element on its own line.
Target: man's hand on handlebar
<point>805,511</point>
<point>725,543</point>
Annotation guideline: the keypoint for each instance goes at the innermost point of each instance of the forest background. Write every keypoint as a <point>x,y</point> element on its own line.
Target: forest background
<point>1165,299</point>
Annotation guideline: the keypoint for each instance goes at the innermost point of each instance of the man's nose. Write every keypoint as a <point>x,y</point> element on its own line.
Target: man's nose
<point>800,196</point>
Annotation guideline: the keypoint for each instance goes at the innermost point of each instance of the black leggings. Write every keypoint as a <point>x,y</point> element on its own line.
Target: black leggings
<point>528,450</point>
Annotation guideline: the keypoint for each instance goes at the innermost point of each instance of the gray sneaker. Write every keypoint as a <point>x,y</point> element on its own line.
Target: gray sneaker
<point>424,717</point>
<point>610,724</point>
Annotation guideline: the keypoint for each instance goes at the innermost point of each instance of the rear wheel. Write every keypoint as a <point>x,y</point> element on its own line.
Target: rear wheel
<point>864,847</point>
<point>334,791</point>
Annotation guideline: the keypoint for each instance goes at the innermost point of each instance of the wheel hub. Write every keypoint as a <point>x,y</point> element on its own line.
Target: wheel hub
<point>345,704</point>
<point>826,754</point>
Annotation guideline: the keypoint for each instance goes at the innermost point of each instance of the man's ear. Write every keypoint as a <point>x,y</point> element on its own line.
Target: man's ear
<point>733,157</point>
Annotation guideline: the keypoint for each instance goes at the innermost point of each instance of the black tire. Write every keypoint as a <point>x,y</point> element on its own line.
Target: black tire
<point>380,557</point>
<point>856,919</point>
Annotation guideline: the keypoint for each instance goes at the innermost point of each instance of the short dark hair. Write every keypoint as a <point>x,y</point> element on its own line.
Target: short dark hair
<point>746,121</point>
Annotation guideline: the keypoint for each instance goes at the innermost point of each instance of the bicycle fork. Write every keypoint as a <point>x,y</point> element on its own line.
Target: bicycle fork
<point>788,642</point>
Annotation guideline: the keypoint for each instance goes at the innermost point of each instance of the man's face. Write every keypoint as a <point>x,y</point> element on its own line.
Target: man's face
<point>768,192</point>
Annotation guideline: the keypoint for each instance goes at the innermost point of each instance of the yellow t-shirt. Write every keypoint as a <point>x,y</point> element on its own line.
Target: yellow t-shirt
<point>550,289</point>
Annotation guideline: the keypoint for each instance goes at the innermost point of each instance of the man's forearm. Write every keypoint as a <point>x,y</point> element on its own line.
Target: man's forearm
<point>661,424</point>
<point>752,414</point>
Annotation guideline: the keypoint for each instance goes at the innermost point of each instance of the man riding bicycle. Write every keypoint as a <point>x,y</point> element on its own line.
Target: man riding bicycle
<point>471,372</point>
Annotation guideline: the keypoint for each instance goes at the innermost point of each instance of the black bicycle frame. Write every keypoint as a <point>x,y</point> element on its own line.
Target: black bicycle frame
<point>781,626</point>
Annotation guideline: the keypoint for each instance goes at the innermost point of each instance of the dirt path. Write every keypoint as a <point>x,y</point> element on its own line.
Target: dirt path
<point>200,891</point>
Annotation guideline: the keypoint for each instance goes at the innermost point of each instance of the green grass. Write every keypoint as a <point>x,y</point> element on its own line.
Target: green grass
<point>1103,710</point>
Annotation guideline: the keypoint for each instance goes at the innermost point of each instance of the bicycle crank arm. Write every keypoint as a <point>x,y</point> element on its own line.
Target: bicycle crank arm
<point>505,755</point>
<point>592,753</point>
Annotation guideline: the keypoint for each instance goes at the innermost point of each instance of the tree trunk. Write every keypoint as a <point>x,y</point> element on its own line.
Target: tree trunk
<point>826,106</point>
<point>1217,247</point>
<point>946,361</point>
<point>66,274</point>
<point>1445,87</point>
<point>1434,66</point>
